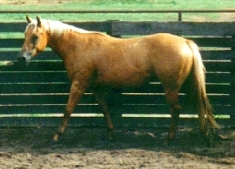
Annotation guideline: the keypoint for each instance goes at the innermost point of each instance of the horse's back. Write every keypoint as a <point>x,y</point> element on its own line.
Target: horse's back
<point>122,62</point>
<point>131,61</point>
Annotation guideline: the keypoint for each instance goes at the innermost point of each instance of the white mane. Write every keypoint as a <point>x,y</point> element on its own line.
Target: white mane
<point>57,27</point>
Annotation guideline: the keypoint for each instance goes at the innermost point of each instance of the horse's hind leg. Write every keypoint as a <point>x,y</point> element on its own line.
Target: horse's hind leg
<point>99,94</point>
<point>76,92</point>
<point>175,108</point>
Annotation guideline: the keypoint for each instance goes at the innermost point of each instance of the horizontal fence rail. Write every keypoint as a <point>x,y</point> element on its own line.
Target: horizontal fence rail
<point>37,94</point>
<point>178,12</point>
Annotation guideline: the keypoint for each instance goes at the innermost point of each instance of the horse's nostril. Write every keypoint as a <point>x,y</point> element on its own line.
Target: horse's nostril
<point>21,59</point>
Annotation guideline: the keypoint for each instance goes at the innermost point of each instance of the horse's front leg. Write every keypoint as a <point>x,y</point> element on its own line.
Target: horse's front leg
<point>99,94</point>
<point>76,91</point>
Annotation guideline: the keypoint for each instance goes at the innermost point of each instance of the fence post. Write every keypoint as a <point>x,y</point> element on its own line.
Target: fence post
<point>232,84</point>
<point>114,96</point>
<point>179,16</point>
<point>110,30</point>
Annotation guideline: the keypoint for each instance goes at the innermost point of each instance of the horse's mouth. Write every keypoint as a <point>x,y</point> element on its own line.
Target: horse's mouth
<point>21,59</point>
<point>24,59</point>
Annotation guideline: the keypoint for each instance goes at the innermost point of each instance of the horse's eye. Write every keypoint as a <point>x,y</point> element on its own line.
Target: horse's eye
<point>34,39</point>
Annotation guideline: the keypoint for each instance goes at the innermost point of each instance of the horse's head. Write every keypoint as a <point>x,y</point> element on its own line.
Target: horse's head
<point>36,38</point>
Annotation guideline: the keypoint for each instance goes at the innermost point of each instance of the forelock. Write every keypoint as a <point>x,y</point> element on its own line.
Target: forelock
<point>34,24</point>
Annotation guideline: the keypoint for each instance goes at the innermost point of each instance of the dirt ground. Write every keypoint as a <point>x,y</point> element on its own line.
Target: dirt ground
<point>82,148</point>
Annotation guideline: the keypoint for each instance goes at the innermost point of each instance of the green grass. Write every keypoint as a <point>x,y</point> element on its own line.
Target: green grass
<point>112,5</point>
<point>117,5</point>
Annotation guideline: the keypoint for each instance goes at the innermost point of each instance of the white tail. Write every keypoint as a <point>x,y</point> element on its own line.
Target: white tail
<point>198,91</point>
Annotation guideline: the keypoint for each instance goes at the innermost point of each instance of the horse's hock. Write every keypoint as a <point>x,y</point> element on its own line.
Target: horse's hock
<point>35,95</point>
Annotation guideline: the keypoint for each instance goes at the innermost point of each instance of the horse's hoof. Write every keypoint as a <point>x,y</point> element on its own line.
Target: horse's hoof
<point>221,137</point>
<point>210,141</point>
<point>110,134</point>
<point>56,137</point>
<point>168,141</point>
<point>171,136</point>
<point>110,138</point>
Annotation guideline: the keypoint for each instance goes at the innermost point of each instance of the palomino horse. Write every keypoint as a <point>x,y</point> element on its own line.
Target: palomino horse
<point>96,59</point>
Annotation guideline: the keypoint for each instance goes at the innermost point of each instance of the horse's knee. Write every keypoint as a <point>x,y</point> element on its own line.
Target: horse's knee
<point>68,111</point>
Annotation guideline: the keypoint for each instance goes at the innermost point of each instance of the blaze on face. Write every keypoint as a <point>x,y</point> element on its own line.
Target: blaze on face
<point>35,40</point>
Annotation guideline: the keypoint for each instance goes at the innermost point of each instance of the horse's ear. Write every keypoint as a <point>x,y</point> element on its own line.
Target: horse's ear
<point>39,21</point>
<point>28,19</point>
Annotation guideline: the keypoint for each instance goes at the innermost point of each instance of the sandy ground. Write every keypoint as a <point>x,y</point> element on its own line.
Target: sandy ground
<point>80,148</point>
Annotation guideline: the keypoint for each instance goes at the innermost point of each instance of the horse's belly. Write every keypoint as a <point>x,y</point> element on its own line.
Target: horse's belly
<point>122,78</point>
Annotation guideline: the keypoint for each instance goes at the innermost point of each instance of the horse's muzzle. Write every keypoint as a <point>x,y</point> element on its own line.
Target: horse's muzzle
<point>21,59</point>
<point>24,56</point>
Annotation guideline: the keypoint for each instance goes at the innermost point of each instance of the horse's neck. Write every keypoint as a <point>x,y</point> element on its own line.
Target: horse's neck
<point>61,41</point>
<point>57,44</point>
<point>56,29</point>
<point>63,37</point>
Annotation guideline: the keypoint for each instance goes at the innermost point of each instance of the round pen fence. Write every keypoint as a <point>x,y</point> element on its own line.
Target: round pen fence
<point>36,94</point>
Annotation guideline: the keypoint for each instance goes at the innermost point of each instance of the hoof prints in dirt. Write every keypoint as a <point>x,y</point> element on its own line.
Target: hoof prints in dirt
<point>90,148</point>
